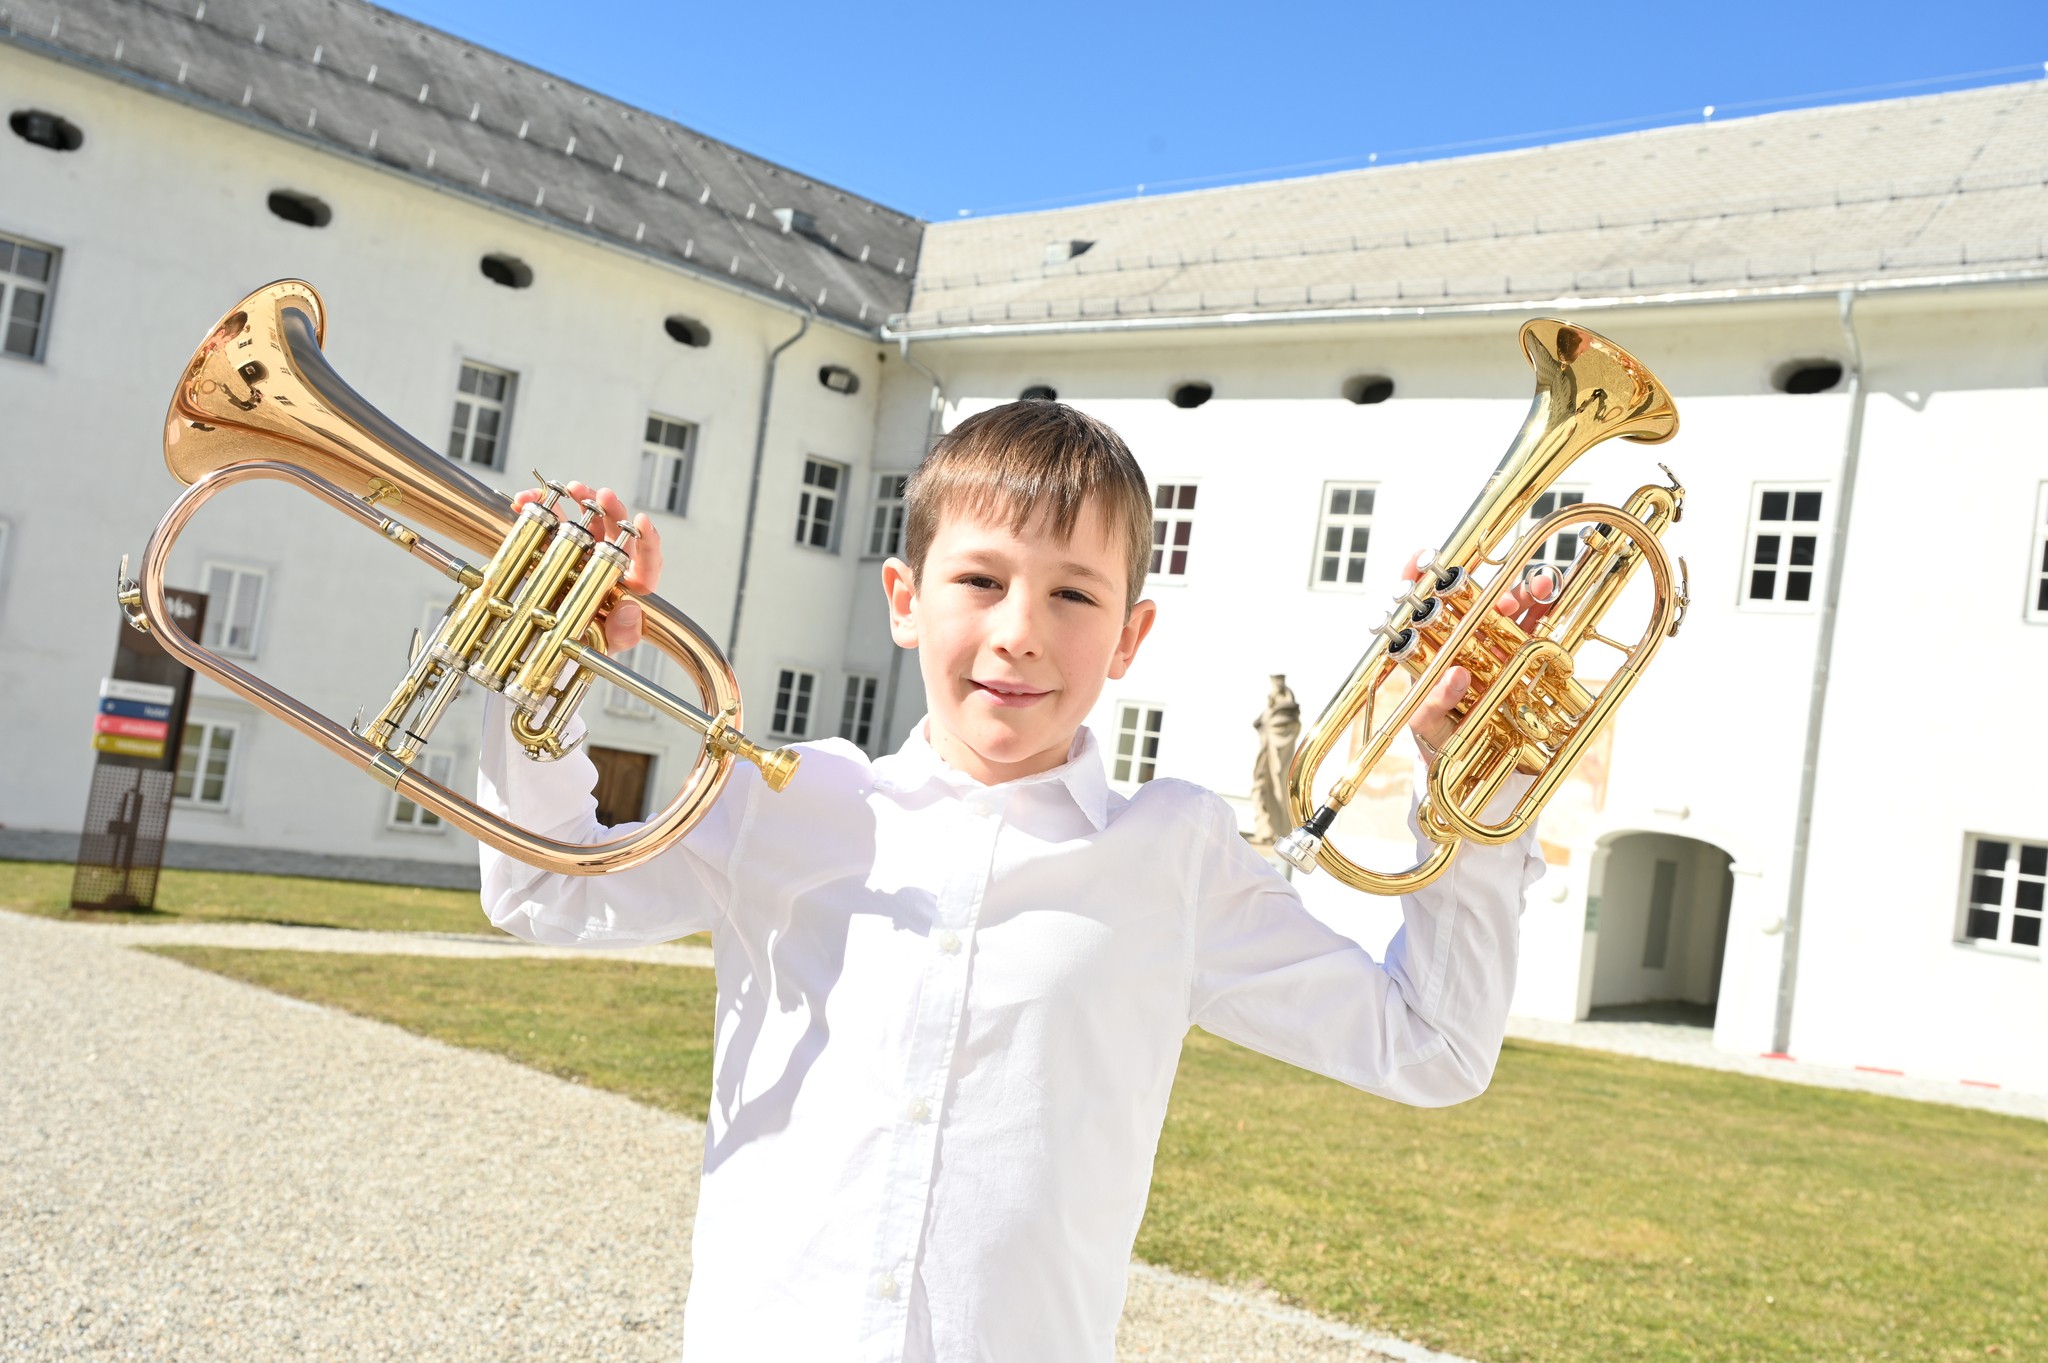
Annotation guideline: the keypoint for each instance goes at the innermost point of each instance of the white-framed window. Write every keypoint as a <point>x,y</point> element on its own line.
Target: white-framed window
<point>1173,528</point>
<point>1782,564</point>
<point>483,415</point>
<point>885,523</point>
<point>645,659</point>
<point>668,458</point>
<point>234,608</point>
<point>1137,741</point>
<point>795,689</point>
<point>1561,550</point>
<point>817,508</point>
<point>857,711</point>
<point>1342,534</point>
<point>2037,573</point>
<point>2005,884</point>
<point>206,763</point>
<point>28,274</point>
<point>436,767</point>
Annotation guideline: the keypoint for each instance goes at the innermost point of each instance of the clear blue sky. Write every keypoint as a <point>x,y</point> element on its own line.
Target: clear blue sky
<point>937,107</point>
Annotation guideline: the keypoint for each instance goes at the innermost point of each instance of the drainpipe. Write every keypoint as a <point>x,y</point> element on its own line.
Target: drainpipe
<point>739,595</point>
<point>933,416</point>
<point>1816,705</point>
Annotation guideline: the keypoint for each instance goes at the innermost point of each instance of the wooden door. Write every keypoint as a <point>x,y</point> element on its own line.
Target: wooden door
<point>621,784</point>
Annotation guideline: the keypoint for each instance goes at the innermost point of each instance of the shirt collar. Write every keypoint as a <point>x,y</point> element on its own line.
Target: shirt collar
<point>916,763</point>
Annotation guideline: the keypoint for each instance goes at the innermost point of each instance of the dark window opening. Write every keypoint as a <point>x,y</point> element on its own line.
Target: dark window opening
<point>46,129</point>
<point>1191,394</point>
<point>1039,392</point>
<point>1807,376</point>
<point>839,379</point>
<point>1366,389</point>
<point>303,209</point>
<point>687,331</point>
<point>510,271</point>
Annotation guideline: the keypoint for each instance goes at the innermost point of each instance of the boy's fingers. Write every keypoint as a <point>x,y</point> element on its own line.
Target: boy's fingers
<point>1413,569</point>
<point>622,627</point>
<point>645,573</point>
<point>1432,718</point>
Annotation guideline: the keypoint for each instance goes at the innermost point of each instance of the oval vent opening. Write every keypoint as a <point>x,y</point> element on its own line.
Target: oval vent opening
<point>303,209</point>
<point>46,129</point>
<point>1039,392</point>
<point>1366,389</point>
<point>1806,376</point>
<point>509,271</point>
<point>687,331</point>
<point>839,379</point>
<point>1191,394</point>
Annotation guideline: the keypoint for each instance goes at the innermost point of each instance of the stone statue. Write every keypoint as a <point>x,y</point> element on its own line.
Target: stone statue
<point>1279,725</point>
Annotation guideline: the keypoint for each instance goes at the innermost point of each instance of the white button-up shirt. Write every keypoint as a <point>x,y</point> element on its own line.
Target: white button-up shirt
<point>949,1016</point>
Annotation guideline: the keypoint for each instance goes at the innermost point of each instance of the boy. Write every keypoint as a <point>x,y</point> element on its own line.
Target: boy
<point>954,981</point>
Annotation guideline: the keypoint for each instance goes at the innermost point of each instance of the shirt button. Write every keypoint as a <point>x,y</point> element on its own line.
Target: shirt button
<point>885,1287</point>
<point>949,942</point>
<point>919,1109</point>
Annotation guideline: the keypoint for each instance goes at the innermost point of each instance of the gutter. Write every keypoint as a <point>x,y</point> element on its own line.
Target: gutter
<point>1817,698</point>
<point>934,416</point>
<point>1427,311</point>
<point>739,595</point>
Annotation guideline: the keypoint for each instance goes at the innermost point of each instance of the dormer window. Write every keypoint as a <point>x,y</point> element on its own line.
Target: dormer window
<point>46,129</point>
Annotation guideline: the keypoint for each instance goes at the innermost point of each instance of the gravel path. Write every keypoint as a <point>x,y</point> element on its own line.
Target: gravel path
<point>195,1169</point>
<point>276,937</point>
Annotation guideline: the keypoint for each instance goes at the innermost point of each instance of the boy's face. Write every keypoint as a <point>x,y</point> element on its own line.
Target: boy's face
<point>1015,636</point>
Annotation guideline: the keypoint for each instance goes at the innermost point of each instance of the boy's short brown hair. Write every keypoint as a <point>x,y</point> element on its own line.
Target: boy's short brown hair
<point>1029,459</point>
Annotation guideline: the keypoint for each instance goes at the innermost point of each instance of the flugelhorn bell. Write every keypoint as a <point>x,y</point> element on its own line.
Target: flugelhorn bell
<point>1530,706</point>
<point>259,400</point>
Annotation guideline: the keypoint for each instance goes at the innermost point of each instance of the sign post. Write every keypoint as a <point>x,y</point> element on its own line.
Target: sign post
<point>136,732</point>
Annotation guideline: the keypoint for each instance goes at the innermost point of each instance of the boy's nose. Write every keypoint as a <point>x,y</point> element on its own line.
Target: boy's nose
<point>1015,629</point>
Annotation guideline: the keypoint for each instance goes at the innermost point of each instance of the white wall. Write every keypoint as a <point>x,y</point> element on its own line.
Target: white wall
<point>162,223</point>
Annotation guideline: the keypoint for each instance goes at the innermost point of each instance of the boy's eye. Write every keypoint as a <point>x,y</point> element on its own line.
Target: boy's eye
<point>979,580</point>
<point>1072,594</point>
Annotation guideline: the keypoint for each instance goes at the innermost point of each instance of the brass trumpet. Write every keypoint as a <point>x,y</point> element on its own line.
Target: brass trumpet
<point>1527,707</point>
<point>259,400</point>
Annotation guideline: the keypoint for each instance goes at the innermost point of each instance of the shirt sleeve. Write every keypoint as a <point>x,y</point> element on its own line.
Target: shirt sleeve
<point>686,889</point>
<point>1423,1027</point>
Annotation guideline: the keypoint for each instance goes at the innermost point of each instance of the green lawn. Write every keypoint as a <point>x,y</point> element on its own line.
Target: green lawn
<point>44,887</point>
<point>1589,1208</point>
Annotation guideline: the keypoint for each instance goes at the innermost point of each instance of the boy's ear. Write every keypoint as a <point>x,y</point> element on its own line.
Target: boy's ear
<point>900,586</point>
<point>1137,625</point>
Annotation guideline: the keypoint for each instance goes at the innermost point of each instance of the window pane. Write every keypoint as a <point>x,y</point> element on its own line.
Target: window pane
<point>1163,498</point>
<point>653,429</point>
<point>1329,570</point>
<point>1152,718</point>
<point>1986,889</point>
<point>1802,550</point>
<point>1180,563</point>
<point>21,339</point>
<point>1766,548</point>
<point>2026,930</point>
<point>1358,539</point>
<point>1156,556</point>
<point>1982,924</point>
<point>1187,497</point>
<point>32,263</point>
<point>1340,501</point>
<point>1806,506</point>
<point>828,476</point>
<point>2041,601</point>
<point>1123,769</point>
<point>1991,856</point>
<point>2027,895</point>
<point>1333,539</point>
<point>1565,499</point>
<point>1798,586</point>
<point>491,386</point>
<point>1125,742</point>
<point>483,451</point>
<point>6,257</point>
<point>1158,532</point>
<point>2033,860</point>
<point>1355,572</point>
<point>1774,506</point>
<point>1545,504</point>
<point>1762,585</point>
<point>1182,531</point>
<point>1361,501</point>
<point>467,384</point>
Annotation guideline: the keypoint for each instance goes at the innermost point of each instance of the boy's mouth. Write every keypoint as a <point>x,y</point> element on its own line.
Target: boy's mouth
<point>1008,693</point>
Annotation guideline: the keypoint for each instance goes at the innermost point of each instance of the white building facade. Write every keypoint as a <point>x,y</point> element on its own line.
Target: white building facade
<point>1820,821</point>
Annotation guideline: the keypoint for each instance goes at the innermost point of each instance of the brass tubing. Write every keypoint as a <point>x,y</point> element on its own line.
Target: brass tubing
<point>617,854</point>
<point>602,568</point>
<point>536,594</point>
<point>471,615</point>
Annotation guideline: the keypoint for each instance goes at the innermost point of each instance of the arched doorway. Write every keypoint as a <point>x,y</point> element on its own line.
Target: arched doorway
<point>1658,909</point>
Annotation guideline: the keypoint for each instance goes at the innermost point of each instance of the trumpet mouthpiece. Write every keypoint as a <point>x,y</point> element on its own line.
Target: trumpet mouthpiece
<point>1298,849</point>
<point>778,766</point>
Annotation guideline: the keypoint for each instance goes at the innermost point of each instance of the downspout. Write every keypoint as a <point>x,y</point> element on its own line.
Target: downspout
<point>1823,658</point>
<point>932,419</point>
<point>739,595</point>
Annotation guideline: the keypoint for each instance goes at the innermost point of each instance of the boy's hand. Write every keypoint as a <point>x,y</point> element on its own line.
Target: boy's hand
<point>622,624</point>
<point>1432,724</point>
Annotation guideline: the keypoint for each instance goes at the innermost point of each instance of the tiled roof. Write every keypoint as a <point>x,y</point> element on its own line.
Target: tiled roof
<point>370,84</point>
<point>1948,184</point>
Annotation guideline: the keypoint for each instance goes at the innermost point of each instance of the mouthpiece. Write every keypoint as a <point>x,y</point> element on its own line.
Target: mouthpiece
<point>1299,848</point>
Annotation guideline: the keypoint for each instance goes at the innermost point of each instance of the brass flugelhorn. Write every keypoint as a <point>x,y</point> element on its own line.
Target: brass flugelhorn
<point>1527,707</point>
<point>259,400</point>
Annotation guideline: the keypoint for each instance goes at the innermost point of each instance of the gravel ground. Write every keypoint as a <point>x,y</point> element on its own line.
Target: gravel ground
<point>276,937</point>
<point>195,1169</point>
